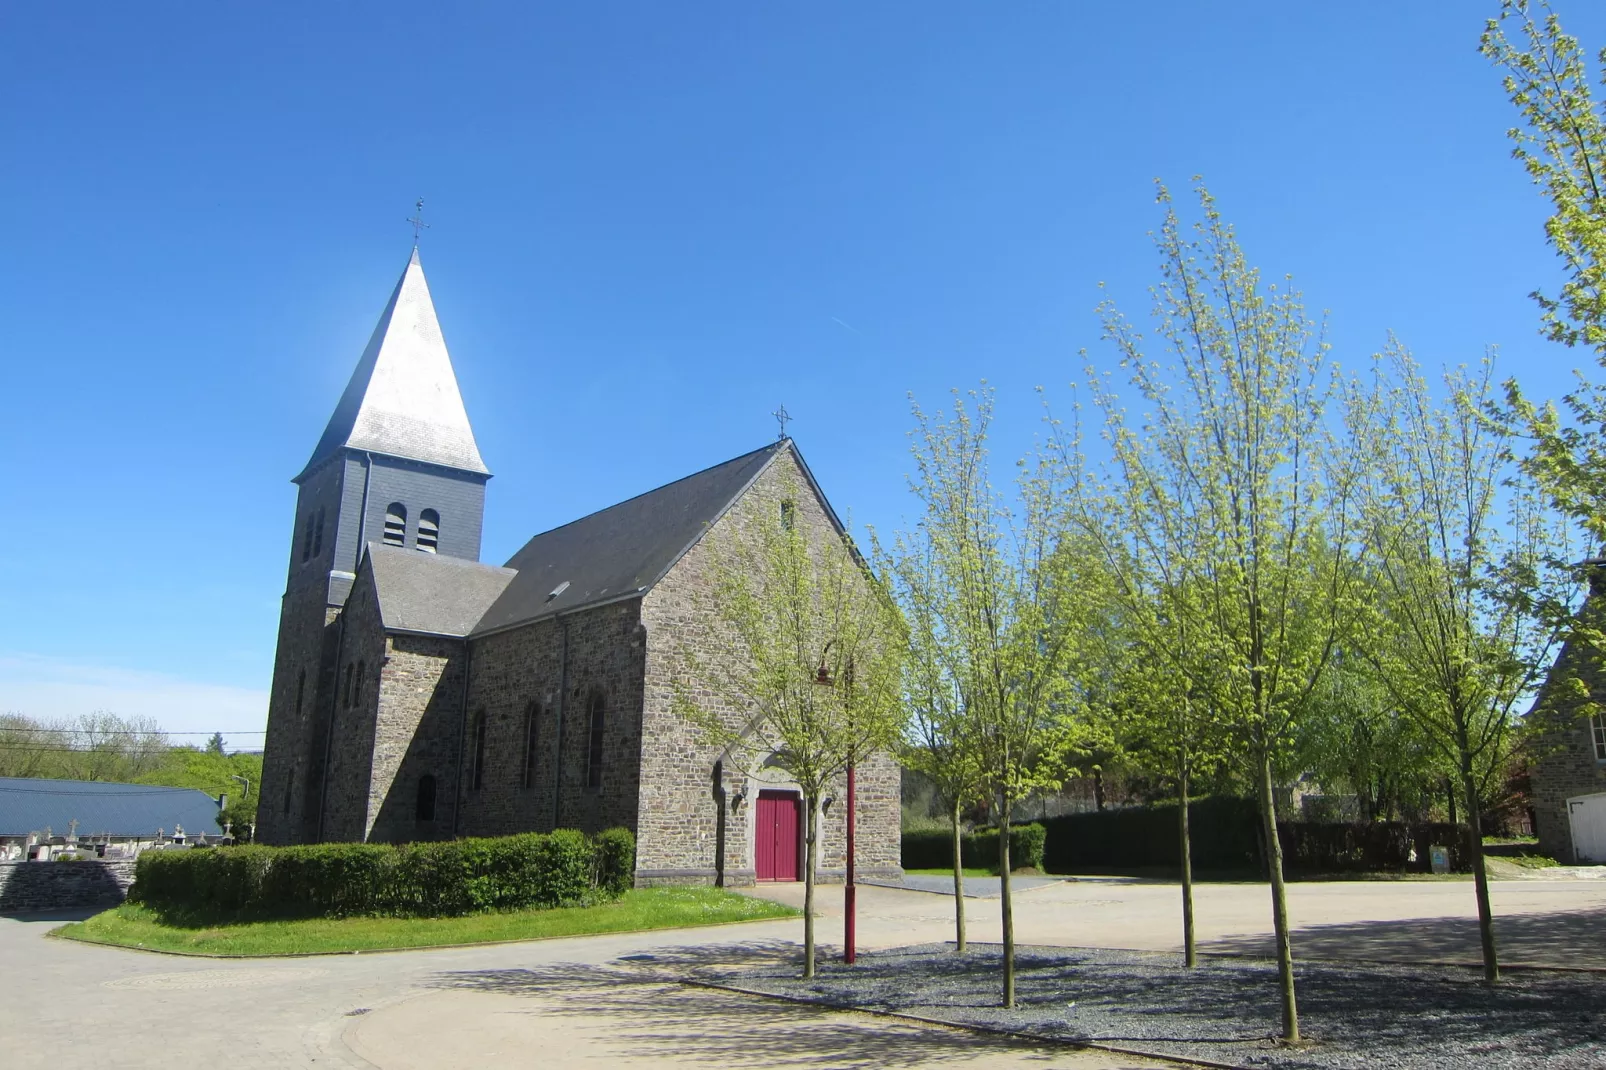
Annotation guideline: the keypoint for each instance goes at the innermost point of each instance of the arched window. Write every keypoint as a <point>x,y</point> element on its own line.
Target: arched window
<point>429,530</point>
<point>594,750</point>
<point>395,524</point>
<point>306,537</point>
<point>317,535</point>
<point>532,733</point>
<point>289,790</point>
<point>478,779</point>
<point>424,804</point>
<point>301,692</point>
<point>788,512</point>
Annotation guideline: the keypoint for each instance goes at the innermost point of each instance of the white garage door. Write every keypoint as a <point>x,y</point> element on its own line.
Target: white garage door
<point>1587,814</point>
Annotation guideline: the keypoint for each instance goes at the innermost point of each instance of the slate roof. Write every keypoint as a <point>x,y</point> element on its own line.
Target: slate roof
<point>432,593</point>
<point>28,805</point>
<point>402,399</point>
<point>623,549</point>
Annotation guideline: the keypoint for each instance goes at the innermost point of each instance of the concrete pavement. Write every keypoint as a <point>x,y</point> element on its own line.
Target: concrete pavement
<point>612,1000</point>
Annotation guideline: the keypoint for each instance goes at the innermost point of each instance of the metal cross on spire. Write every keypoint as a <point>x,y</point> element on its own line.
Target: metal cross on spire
<point>419,226</point>
<point>782,417</point>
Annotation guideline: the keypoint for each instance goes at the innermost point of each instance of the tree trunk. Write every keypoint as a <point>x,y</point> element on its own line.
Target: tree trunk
<point>1449,793</point>
<point>810,856</point>
<point>1006,906</point>
<point>1279,898</point>
<point>1098,789</point>
<point>1190,955</point>
<point>1480,879</point>
<point>959,884</point>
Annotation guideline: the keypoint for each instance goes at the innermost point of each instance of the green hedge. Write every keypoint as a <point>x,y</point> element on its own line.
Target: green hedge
<point>935,850</point>
<point>417,879</point>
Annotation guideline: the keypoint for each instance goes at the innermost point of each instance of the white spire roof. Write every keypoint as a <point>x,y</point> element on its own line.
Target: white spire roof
<point>403,399</point>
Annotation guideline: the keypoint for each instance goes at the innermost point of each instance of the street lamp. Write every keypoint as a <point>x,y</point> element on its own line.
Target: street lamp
<point>850,893</point>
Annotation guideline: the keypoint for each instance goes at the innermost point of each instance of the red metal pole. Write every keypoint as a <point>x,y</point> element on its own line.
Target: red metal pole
<point>849,892</point>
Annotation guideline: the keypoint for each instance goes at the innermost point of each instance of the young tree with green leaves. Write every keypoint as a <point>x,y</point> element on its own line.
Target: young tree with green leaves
<point>814,665</point>
<point>1232,481</point>
<point>1002,598</point>
<point>940,741</point>
<point>1561,143</point>
<point>1465,622</point>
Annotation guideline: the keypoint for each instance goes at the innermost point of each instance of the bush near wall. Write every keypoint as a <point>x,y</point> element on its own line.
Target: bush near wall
<point>935,850</point>
<point>1224,836</point>
<point>533,870</point>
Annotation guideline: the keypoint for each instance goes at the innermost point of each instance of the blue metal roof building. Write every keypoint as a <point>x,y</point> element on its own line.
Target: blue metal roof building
<point>122,811</point>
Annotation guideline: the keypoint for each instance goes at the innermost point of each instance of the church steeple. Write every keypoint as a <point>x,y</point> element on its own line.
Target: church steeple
<point>402,400</point>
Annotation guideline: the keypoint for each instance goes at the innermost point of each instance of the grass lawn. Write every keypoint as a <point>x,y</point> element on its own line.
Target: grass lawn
<point>970,871</point>
<point>132,925</point>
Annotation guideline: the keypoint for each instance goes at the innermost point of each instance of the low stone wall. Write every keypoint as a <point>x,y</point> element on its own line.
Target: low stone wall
<point>29,886</point>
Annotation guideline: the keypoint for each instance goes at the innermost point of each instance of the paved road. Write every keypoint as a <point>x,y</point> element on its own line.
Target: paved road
<point>1547,923</point>
<point>612,1001</point>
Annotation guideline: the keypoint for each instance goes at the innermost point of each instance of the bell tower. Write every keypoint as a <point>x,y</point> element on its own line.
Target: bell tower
<point>398,465</point>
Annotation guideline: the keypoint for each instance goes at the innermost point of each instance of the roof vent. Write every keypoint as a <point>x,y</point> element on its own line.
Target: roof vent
<point>559,589</point>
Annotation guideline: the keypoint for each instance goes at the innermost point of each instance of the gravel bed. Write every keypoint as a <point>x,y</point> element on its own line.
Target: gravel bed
<point>1225,1010</point>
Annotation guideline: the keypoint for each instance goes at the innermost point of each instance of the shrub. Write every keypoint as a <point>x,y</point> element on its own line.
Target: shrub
<point>616,861</point>
<point>935,850</point>
<point>417,879</point>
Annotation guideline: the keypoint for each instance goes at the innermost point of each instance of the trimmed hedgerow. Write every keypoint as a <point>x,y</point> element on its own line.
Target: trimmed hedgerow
<point>935,850</point>
<point>532,870</point>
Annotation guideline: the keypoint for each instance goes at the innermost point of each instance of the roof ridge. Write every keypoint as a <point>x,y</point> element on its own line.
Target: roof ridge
<point>662,486</point>
<point>390,550</point>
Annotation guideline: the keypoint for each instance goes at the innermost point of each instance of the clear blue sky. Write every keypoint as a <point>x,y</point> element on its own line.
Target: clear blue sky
<point>651,223</point>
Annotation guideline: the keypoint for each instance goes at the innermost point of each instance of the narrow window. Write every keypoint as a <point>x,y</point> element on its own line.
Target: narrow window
<point>301,692</point>
<point>351,677</point>
<point>424,805</point>
<point>1597,725</point>
<point>788,511</point>
<point>395,524</point>
<point>594,751</point>
<point>532,716</point>
<point>306,537</point>
<point>289,791</point>
<point>429,530</point>
<point>356,690</point>
<point>317,535</point>
<point>479,752</point>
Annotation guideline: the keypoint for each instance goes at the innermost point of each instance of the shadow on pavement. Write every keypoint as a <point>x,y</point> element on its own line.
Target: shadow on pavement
<point>648,1013</point>
<point>1572,938</point>
<point>1225,1009</point>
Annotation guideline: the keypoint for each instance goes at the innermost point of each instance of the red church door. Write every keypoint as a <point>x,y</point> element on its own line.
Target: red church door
<point>777,839</point>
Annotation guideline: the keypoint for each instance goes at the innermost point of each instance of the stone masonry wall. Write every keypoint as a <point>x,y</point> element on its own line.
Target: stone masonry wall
<point>688,830</point>
<point>416,733</point>
<point>299,696</point>
<point>355,697</point>
<point>30,886</point>
<point>1565,765</point>
<point>522,671</point>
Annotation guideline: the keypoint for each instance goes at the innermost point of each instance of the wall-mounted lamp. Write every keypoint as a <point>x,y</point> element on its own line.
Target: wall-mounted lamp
<point>738,797</point>
<point>829,799</point>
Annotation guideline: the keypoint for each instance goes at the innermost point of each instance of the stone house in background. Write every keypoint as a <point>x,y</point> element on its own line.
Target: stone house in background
<point>1567,775</point>
<point>419,693</point>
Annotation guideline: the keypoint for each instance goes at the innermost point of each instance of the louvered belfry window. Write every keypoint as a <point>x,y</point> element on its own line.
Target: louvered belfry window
<point>395,524</point>
<point>429,530</point>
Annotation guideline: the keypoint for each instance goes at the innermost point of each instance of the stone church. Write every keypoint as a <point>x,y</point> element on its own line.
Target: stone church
<point>420,693</point>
